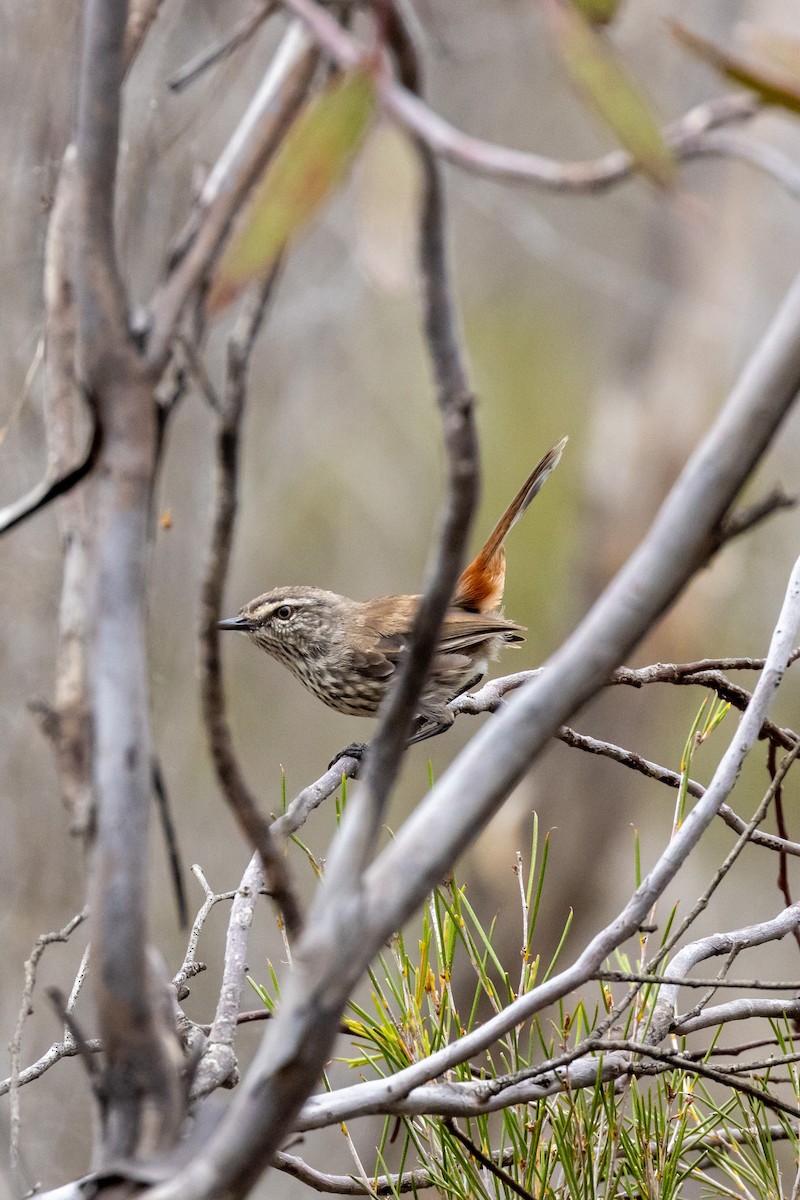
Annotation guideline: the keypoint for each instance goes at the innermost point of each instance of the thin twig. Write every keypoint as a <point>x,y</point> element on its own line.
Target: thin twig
<point>228,770</point>
<point>486,1161</point>
<point>190,966</point>
<point>26,1008</point>
<point>235,37</point>
<point>673,779</point>
<point>218,1061</point>
<point>690,137</point>
<point>261,130</point>
<point>170,841</point>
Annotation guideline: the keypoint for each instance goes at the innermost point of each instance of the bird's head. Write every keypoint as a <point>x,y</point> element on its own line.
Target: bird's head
<point>291,622</point>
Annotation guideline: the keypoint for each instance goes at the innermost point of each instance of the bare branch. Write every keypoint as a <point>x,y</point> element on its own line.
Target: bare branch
<point>348,1185</point>
<point>226,765</point>
<point>59,1050</point>
<point>26,1008</point>
<point>140,1075</point>
<point>748,518</point>
<point>689,138</point>
<point>305,802</point>
<point>709,947</point>
<point>628,758</point>
<point>219,1060</point>
<point>190,966</point>
<point>271,111</point>
<point>669,978</point>
<point>236,37</point>
<point>737,1010</point>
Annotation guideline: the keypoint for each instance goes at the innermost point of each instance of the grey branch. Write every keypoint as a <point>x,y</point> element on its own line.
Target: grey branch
<point>737,1010</point>
<point>141,1077</point>
<point>275,104</point>
<point>709,947</point>
<point>690,137</point>
<point>218,1061</point>
<point>13,1084</point>
<point>361,1098</point>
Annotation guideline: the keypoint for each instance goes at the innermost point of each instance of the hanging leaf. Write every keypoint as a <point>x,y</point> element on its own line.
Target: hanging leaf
<point>310,164</point>
<point>600,78</point>
<point>770,84</point>
<point>597,12</point>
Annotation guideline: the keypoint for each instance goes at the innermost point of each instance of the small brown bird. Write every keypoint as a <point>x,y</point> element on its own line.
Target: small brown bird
<point>347,651</point>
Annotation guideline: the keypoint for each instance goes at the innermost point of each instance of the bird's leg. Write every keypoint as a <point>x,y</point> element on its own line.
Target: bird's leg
<point>442,719</point>
<point>354,750</point>
<point>425,727</point>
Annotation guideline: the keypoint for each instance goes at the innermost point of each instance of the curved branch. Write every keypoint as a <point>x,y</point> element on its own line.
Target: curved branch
<point>253,142</point>
<point>688,137</point>
<point>228,770</point>
<point>50,488</point>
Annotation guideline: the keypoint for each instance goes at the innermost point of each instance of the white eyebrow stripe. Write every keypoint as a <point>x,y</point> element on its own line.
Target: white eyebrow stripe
<point>292,602</point>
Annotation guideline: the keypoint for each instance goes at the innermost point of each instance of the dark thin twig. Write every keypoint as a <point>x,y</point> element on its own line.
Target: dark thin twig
<point>765,985</point>
<point>50,489</point>
<point>682,1063</point>
<point>242,802</point>
<point>651,770</point>
<point>171,841</point>
<point>783,863</point>
<point>59,1002</point>
<point>236,37</point>
<point>744,519</point>
<point>486,1161</point>
<point>457,412</point>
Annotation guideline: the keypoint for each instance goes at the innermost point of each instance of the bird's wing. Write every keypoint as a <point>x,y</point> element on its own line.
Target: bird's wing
<point>382,648</point>
<point>380,661</point>
<point>465,630</point>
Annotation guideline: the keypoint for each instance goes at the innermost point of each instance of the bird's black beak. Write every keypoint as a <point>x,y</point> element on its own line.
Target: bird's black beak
<point>241,624</point>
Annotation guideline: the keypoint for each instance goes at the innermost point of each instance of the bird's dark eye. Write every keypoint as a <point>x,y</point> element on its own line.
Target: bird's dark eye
<point>284,612</point>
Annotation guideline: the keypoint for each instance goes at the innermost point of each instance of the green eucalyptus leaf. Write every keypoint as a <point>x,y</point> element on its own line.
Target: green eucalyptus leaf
<point>310,164</point>
<point>599,76</point>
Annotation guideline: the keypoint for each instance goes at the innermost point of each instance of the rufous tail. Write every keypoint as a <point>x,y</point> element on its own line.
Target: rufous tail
<point>480,588</point>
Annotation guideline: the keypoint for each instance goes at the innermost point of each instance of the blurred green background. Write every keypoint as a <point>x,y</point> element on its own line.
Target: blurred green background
<point>621,320</point>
